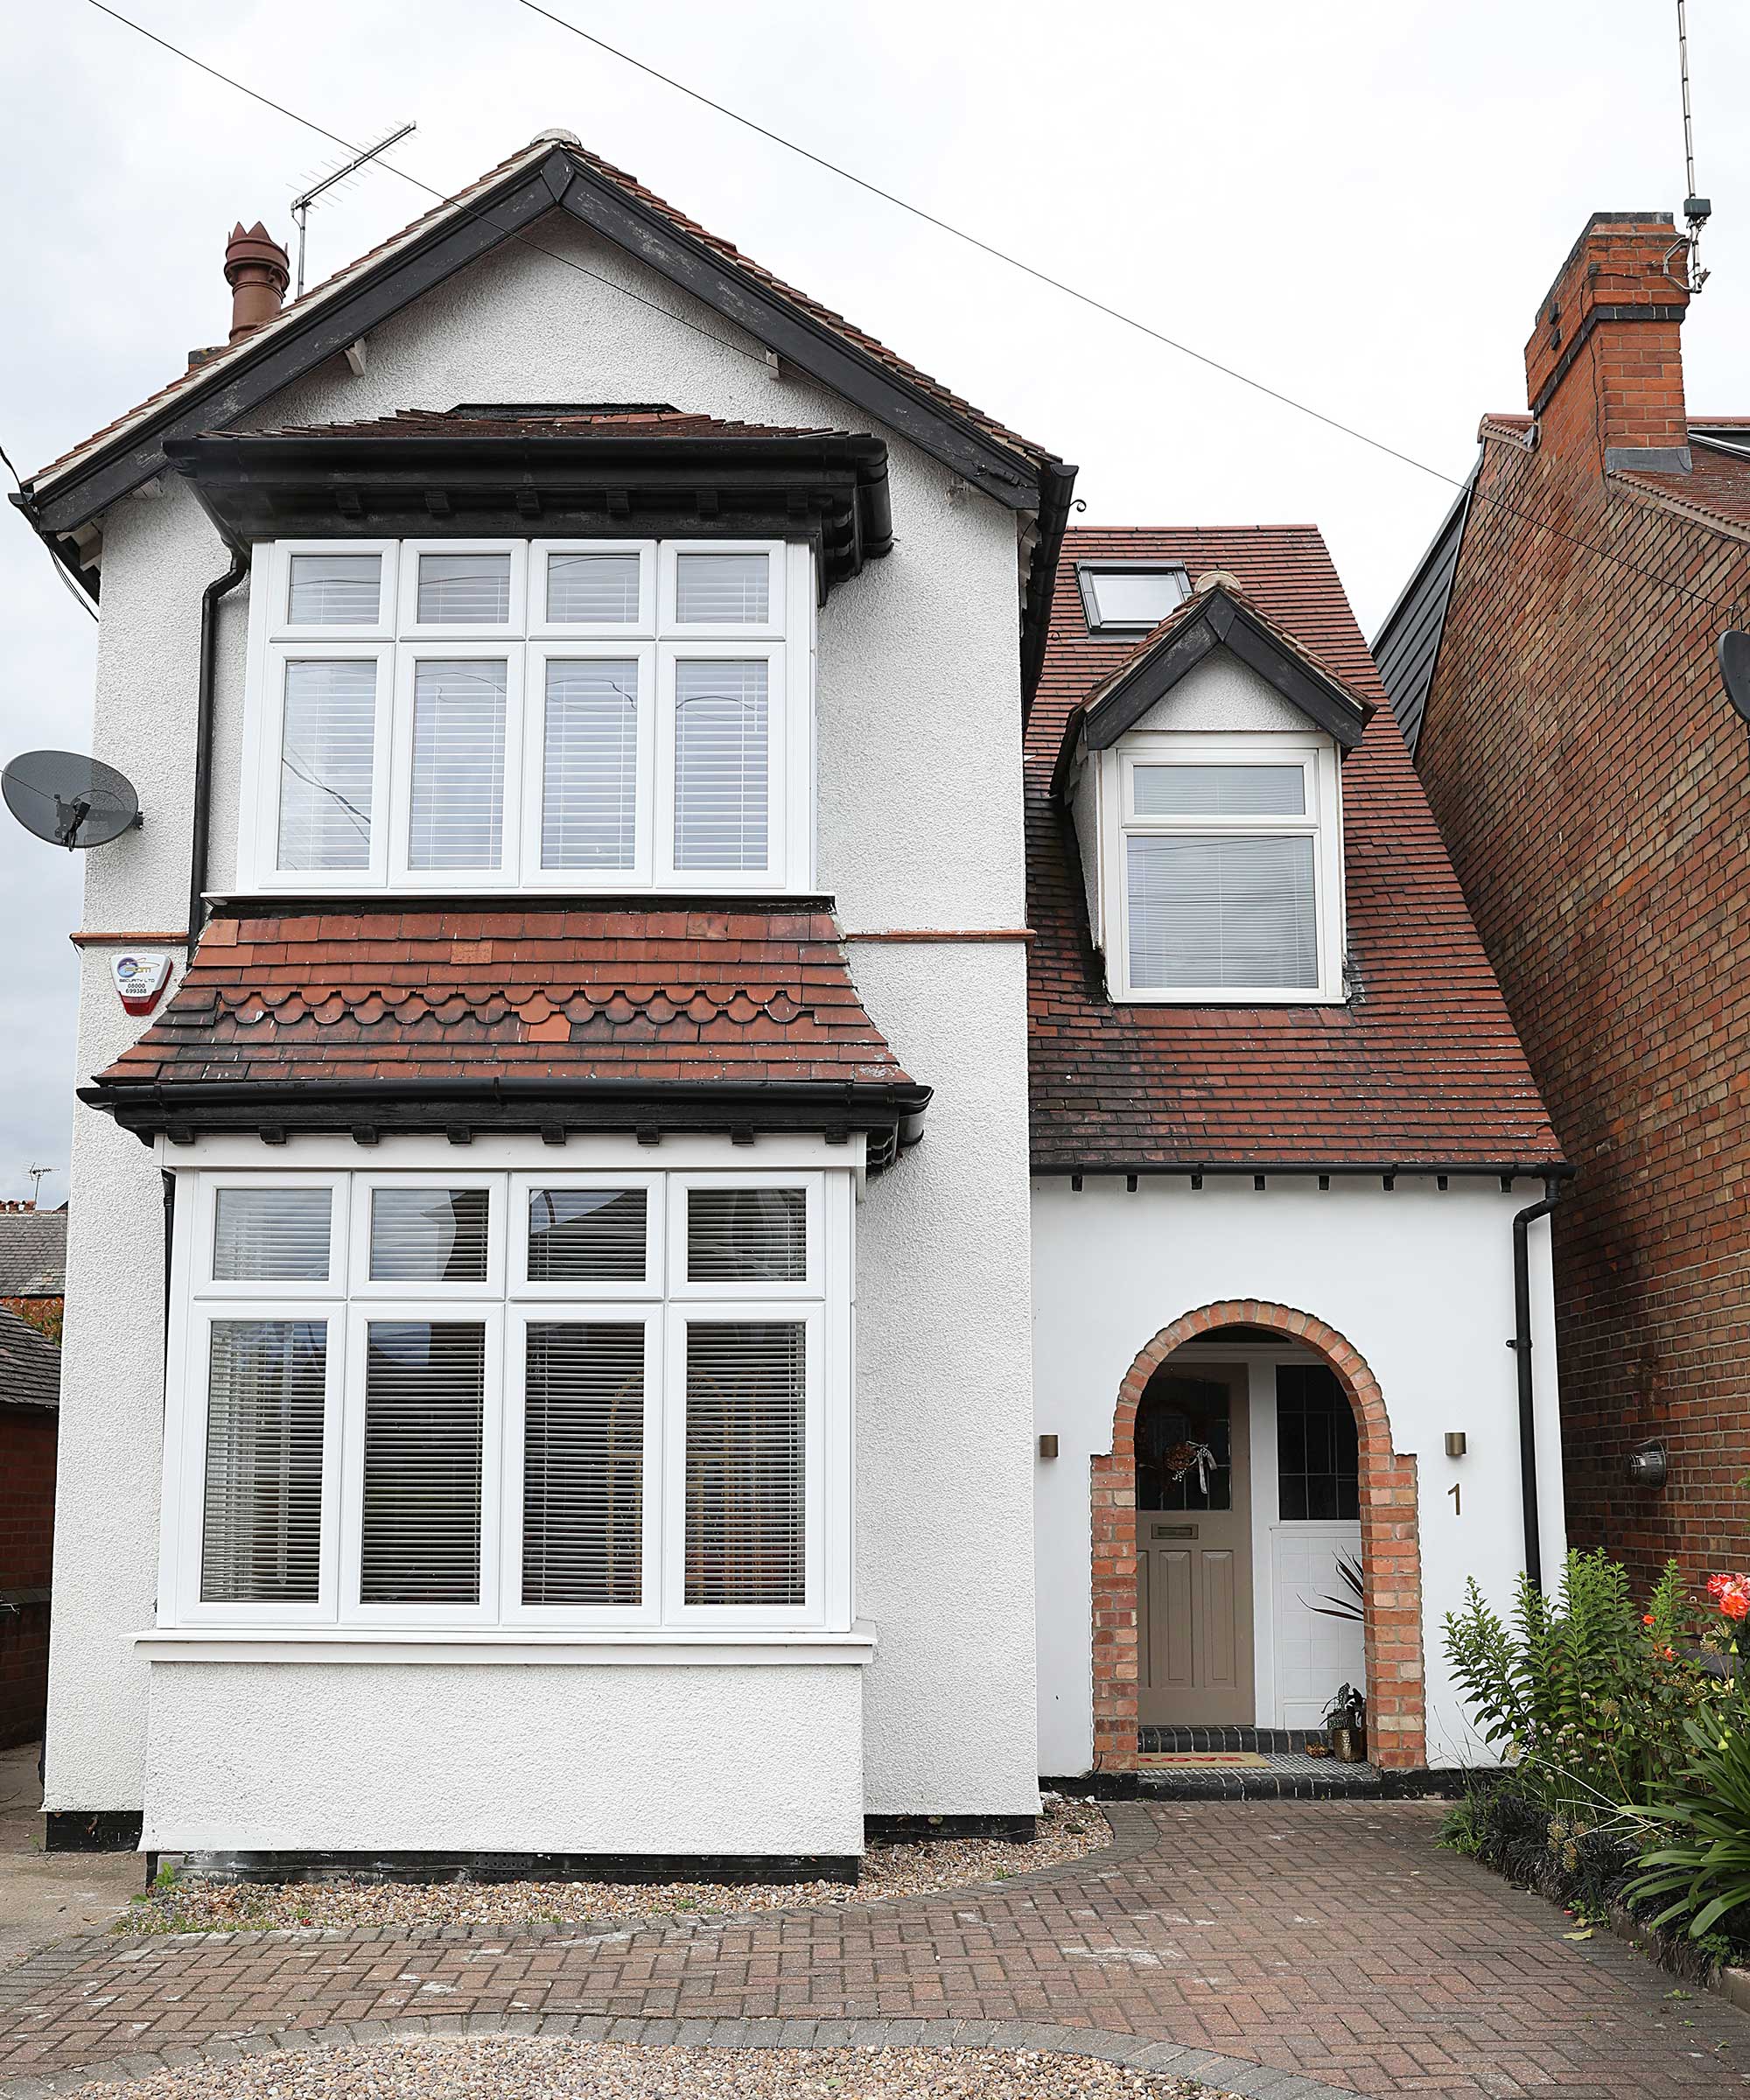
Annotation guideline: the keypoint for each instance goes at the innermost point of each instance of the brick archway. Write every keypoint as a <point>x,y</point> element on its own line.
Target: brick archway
<point>1391,1551</point>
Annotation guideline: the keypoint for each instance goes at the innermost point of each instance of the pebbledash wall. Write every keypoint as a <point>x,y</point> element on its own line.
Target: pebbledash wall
<point>1418,1280</point>
<point>918,830</point>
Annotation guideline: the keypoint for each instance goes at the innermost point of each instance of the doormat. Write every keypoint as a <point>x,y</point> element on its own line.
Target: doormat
<point>1251,1761</point>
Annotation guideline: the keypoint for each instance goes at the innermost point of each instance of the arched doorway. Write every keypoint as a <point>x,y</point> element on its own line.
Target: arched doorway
<point>1390,1547</point>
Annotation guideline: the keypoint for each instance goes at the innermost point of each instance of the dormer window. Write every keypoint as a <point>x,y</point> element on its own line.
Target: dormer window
<point>1227,869</point>
<point>459,714</point>
<point>1130,597</point>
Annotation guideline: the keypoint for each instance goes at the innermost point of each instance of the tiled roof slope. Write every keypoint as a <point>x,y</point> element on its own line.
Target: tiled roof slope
<point>30,1365</point>
<point>1715,491</point>
<point>574,992</point>
<point>473,196</point>
<point>33,1253</point>
<point>1424,1069</point>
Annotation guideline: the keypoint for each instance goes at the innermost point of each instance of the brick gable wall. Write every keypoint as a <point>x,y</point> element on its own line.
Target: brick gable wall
<point>1593,787</point>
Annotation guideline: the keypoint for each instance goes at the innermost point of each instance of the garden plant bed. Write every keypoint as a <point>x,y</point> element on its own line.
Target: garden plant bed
<point>1068,1830</point>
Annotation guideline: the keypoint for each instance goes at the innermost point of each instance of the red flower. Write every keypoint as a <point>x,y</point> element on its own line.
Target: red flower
<point>1646,1617</point>
<point>1735,1603</point>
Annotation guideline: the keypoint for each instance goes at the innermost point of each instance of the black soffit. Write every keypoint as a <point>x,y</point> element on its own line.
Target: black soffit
<point>828,488</point>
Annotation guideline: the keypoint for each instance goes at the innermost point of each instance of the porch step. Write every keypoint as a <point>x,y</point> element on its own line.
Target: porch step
<point>1282,1775</point>
<point>1160,1736</point>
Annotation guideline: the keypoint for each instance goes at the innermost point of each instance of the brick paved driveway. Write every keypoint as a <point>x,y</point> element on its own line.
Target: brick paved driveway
<point>1326,1939</point>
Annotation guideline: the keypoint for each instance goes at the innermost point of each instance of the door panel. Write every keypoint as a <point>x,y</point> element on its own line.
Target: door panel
<point>1193,1547</point>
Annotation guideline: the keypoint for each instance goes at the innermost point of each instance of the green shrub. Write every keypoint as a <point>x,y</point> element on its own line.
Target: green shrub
<point>1583,1694</point>
<point>1707,1808</point>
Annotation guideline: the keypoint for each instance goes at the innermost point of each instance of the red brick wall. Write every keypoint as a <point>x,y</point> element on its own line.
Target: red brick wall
<point>1593,786</point>
<point>1392,1553</point>
<point>27,1485</point>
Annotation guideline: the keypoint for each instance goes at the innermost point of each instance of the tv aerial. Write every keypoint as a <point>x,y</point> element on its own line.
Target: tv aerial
<point>300,205</point>
<point>68,798</point>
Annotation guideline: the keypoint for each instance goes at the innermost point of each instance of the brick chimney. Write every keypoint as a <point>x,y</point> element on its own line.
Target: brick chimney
<point>1603,368</point>
<point>258,271</point>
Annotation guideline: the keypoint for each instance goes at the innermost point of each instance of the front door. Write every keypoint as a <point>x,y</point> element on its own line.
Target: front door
<point>1194,1547</point>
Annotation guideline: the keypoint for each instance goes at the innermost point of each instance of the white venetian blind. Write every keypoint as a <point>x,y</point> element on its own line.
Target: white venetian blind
<point>746,1235</point>
<point>464,590</point>
<point>722,589</point>
<point>260,1538</point>
<point>1219,790</point>
<point>456,815</point>
<point>1221,911</point>
<point>327,746</point>
<point>587,1235</point>
<point>589,778</point>
<point>429,1235</point>
<point>589,588</point>
<point>583,1463</point>
<point>334,590</point>
<point>720,763</point>
<point>271,1235</point>
<point>420,1514</point>
<point>745,1463</point>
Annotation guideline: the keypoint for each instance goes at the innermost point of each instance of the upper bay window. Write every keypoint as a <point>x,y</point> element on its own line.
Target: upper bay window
<point>511,1399</point>
<point>1224,861</point>
<point>544,714</point>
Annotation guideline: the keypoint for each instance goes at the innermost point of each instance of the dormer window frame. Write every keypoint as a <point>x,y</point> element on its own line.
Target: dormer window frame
<point>657,643</point>
<point>1320,821</point>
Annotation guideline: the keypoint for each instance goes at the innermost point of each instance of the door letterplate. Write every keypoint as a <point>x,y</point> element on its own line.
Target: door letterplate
<point>1173,1531</point>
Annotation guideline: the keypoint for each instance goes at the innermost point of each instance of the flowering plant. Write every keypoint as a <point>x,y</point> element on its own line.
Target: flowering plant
<point>1731,1595</point>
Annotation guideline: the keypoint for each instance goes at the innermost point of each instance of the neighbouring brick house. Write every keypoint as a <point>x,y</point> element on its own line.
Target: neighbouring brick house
<point>29,1398</point>
<point>653,1369</point>
<point>33,1263</point>
<point>1553,663</point>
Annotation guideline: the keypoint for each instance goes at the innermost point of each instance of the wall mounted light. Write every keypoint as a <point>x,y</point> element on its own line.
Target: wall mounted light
<point>1649,1465</point>
<point>1455,1443</point>
<point>1047,1447</point>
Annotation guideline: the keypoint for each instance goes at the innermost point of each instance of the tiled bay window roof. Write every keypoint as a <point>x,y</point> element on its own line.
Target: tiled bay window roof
<point>1420,1068</point>
<point>556,1016</point>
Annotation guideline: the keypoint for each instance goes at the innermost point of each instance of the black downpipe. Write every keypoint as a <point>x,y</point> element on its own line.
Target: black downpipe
<point>203,742</point>
<point>1521,1346</point>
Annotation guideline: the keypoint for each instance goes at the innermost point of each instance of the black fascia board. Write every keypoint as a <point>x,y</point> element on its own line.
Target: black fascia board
<point>889,1113</point>
<point>289,350</point>
<point>831,488</point>
<point>1222,621</point>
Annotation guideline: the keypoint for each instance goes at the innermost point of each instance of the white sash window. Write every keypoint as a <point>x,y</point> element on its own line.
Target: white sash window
<point>480,715</point>
<point>1224,865</point>
<point>510,1399</point>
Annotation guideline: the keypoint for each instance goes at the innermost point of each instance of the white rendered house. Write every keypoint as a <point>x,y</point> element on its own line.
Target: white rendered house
<point>621,1331</point>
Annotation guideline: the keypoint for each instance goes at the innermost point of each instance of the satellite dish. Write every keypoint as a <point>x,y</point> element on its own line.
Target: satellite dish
<point>69,799</point>
<point>1734,669</point>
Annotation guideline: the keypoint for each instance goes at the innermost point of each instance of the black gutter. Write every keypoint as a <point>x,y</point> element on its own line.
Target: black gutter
<point>1056,486</point>
<point>203,741</point>
<point>1521,1346</point>
<point>1503,1169</point>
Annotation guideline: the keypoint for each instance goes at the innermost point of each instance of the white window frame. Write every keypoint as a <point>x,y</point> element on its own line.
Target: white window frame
<point>771,628</point>
<point>611,880</point>
<point>1322,822</point>
<point>514,627</point>
<point>276,620</point>
<point>263,747</point>
<point>506,1305</point>
<point>527,642</point>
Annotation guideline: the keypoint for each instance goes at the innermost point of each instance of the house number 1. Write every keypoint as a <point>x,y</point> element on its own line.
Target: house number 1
<point>1453,1492</point>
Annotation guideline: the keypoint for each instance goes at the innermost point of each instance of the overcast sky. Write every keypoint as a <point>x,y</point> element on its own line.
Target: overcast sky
<point>1358,203</point>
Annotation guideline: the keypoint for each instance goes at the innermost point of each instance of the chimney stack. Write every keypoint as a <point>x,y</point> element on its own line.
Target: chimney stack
<point>258,271</point>
<point>1604,368</point>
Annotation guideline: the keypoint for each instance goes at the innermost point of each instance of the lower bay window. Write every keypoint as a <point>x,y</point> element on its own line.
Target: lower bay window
<point>510,1400</point>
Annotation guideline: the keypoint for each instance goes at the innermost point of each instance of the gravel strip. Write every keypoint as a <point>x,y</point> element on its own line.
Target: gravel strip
<point>1068,1830</point>
<point>504,2068</point>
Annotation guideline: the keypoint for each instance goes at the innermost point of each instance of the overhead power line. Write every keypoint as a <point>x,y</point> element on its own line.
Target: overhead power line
<point>1100,305</point>
<point>73,590</point>
<point>945,226</point>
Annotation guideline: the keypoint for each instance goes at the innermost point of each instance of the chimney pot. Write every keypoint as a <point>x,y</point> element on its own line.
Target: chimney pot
<point>258,269</point>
